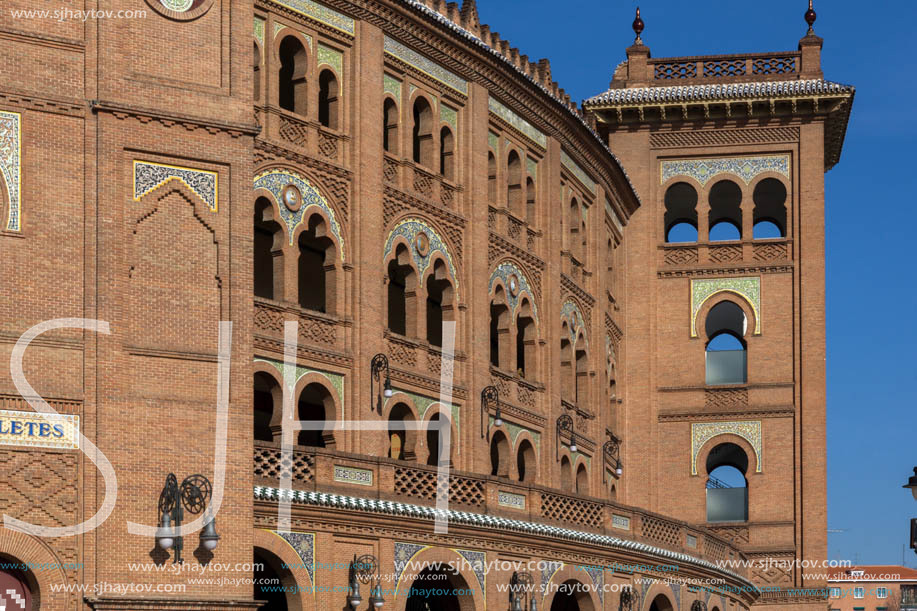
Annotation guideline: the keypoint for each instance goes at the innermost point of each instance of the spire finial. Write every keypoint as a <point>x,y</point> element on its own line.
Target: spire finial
<point>810,18</point>
<point>638,27</point>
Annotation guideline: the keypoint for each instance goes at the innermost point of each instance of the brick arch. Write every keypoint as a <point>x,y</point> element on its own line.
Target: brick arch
<point>406,227</point>
<point>411,436</point>
<point>19,547</point>
<point>277,394</point>
<point>586,598</point>
<point>498,277</point>
<point>754,460</point>
<point>278,39</point>
<point>451,560</point>
<point>657,590</point>
<point>333,407</point>
<point>525,435</point>
<point>432,410</point>
<point>741,300</point>
<point>276,545</point>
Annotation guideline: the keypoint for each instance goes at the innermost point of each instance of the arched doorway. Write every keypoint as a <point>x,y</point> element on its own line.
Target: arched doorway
<point>661,603</point>
<point>15,592</point>
<point>270,573</point>
<point>572,595</point>
<point>437,589</point>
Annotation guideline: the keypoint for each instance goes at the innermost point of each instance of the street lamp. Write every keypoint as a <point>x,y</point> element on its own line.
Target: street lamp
<point>365,569</point>
<point>489,395</point>
<point>612,452</point>
<point>565,425</point>
<point>912,484</point>
<point>380,364</point>
<point>193,496</point>
<point>522,586</point>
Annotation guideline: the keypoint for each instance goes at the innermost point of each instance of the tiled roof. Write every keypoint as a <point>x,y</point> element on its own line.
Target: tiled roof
<point>419,512</point>
<point>873,572</point>
<point>718,92</point>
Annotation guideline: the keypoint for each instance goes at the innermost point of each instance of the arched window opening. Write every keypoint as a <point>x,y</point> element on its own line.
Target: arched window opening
<point>436,451</point>
<point>446,154</point>
<point>401,287</point>
<point>582,371</point>
<point>438,588</point>
<point>530,210</point>
<point>567,377</point>
<point>525,341</point>
<point>292,94</point>
<point>316,404</point>
<point>770,209</point>
<point>499,330</point>
<point>661,603</point>
<point>401,438</point>
<point>422,134</point>
<point>726,326</point>
<point>582,480</point>
<point>574,222</point>
<point>256,89</point>
<point>390,121</point>
<point>613,493</point>
<point>572,595</point>
<point>566,474</point>
<point>727,487</point>
<point>18,589</point>
<point>268,252</point>
<point>680,213</point>
<point>725,211</point>
<point>316,266</point>
<point>268,406</point>
<point>525,462</point>
<point>328,99</point>
<point>499,454</point>
<point>514,194</point>
<point>491,178</point>
<point>439,303</point>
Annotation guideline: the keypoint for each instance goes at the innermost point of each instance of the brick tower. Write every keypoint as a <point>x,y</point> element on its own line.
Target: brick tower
<point>726,359</point>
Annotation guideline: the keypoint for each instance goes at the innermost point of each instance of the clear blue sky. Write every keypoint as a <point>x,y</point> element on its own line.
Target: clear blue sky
<point>872,412</point>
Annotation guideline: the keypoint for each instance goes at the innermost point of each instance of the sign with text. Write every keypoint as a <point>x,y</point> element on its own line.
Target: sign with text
<point>31,429</point>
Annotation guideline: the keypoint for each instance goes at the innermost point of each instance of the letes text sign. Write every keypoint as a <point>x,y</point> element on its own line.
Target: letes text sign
<point>34,430</point>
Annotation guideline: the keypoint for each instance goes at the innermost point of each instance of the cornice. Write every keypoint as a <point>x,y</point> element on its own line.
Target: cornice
<point>710,272</point>
<point>72,107</point>
<point>235,130</point>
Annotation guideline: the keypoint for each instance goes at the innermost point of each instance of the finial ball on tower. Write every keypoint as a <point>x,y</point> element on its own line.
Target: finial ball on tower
<point>638,26</point>
<point>810,17</point>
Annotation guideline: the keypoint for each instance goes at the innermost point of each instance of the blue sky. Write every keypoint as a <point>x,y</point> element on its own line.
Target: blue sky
<point>872,413</point>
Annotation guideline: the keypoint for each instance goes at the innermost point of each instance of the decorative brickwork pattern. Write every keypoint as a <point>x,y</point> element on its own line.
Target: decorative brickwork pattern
<point>675,70</point>
<point>661,530</point>
<point>268,463</point>
<point>725,397</point>
<point>724,137</point>
<point>682,255</point>
<point>421,484</point>
<point>564,508</point>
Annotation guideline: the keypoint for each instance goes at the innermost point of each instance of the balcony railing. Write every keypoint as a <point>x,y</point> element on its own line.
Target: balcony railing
<point>719,67</point>
<point>321,469</point>
<point>758,252</point>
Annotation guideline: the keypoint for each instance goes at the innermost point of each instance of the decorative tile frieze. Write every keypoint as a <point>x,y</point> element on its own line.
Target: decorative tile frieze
<point>11,166</point>
<point>532,167</point>
<point>597,573</point>
<point>149,176</point>
<point>705,170</point>
<point>331,57</point>
<point>548,569</point>
<point>425,65</point>
<point>34,430</point>
<point>478,562</point>
<point>749,430</point>
<point>516,286</point>
<point>691,540</point>
<point>511,500</point>
<point>352,475</point>
<point>259,31</point>
<point>424,243</point>
<point>749,288</point>
<point>570,313</point>
<point>392,85</point>
<point>304,546</point>
<point>275,181</point>
<point>335,380</point>
<point>404,553</point>
<point>577,171</point>
<point>448,115</point>
<point>320,13</point>
<point>518,122</point>
<point>493,141</point>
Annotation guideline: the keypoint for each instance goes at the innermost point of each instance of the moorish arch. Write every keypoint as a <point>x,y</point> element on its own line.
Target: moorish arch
<point>570,589</point>
<point>425,246</point>
<point>437,568</point>
<point>17,547</point>
<point>298,204</point>
<point>513,321</point>
<point>285,557</point>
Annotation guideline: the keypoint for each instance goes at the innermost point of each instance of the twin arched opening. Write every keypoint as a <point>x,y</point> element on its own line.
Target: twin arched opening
<point>315,402</point>
<point>501,450</point>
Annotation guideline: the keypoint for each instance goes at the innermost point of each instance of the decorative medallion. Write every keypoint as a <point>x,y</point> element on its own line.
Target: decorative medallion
<point>705,170</point>
<point>352,475</point>
<point>749,288</point>
<point>517,286</point>
<point>423,64</point>
<point>749,430</point>
<point>291,198</point>
<point>182,10</point>
<point>520,124</point>
<point>149,176</point>
<point>304,546</point>
<point>570,313</point>
<point>320,13</point>
<point>10,165</point>
<point>276,182</point>
<point>422,243</point>
<point>408,229</point>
